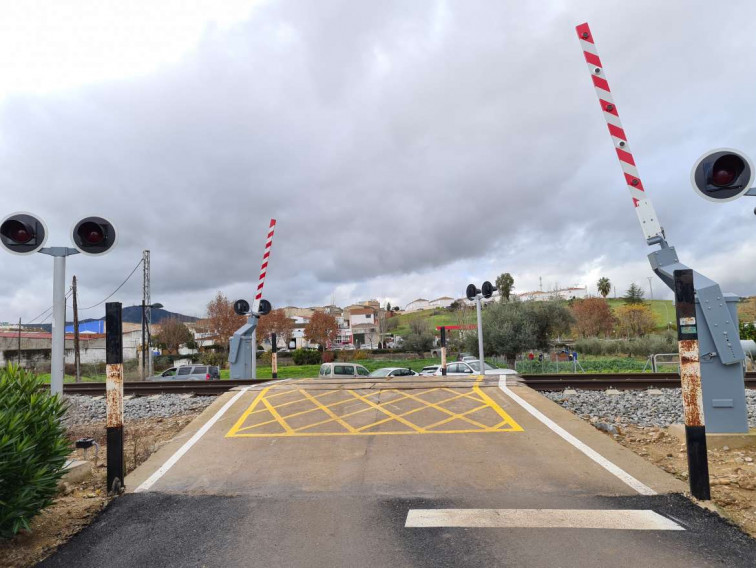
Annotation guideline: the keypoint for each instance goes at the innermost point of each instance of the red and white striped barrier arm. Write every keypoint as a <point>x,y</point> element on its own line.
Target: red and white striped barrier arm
<point>643,207</point>
<point>264,267</point>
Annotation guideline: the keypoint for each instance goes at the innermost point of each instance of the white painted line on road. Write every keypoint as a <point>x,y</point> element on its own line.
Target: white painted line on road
<point>587,450</point>
<point>161,471</point>
<point>611,519</point>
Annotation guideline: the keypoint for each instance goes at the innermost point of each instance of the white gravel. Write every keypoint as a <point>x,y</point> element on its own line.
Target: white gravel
<point>86,409</point>
<point>635,407</point>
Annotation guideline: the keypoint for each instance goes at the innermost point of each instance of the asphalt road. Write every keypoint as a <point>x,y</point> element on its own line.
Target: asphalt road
<point>324,474</point>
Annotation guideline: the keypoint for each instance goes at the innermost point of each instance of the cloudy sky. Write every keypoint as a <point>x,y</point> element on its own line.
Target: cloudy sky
<point>405,148</point>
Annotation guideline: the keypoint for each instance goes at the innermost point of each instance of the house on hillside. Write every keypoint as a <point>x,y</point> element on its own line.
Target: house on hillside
<point>416,305</point>
<point>442,302</point>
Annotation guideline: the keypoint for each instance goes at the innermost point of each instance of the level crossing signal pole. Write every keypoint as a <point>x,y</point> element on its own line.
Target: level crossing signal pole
<point>24,233</point>
<point>274,355</point>
<point>722,356</point>
<point>473,293</point>
<point>443,350</point>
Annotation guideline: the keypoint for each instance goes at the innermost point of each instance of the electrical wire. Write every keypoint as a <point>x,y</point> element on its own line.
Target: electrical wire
<point>68,295</point>
<point>116,290</point>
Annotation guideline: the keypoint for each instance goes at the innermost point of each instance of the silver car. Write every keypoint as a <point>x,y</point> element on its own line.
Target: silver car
<point>188,373</point>
<point>393,372</point>
<point>472,368</point>
<point>342,371</point>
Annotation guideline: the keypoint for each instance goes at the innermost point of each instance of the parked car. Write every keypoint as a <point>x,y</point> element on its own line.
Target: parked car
<point>472,368</point>
<point>394,372</point>
<point>429,370</point>
<point>188,373</point>
<point>468,358</point>
<point>342,371</point>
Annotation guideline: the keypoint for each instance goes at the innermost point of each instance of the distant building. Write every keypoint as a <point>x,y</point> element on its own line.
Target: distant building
<point>442,302</point>
<point>416,305</point>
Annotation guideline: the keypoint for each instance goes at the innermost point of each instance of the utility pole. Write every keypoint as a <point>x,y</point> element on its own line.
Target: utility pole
<point>77,352</point>
<point>146,317</point>
<point>650,288</point>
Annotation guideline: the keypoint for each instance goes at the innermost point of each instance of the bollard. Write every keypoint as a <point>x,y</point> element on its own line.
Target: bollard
<point>114,396</point>
<point>274,355</point>
<point>443,350</point>
<point>692,393</point>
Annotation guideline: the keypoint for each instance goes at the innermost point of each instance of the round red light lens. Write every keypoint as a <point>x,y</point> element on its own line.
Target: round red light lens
<point>726,170</point>
<point>18,232</point>
<point>91,233</point>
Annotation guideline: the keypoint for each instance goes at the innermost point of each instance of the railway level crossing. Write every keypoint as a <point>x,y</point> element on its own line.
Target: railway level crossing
<point>402,472</point>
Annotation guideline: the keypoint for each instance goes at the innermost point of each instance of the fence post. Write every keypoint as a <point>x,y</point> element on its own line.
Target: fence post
<point>690,377</point>
<point>114,396</point>
<point>274,355</point>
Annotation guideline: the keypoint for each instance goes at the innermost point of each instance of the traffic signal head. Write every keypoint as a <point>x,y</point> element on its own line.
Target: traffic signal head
<point>94,235</point>
<point>241,307</point>
<point>722,175</point>
<point>471,291</point>
<point>487,289</point>
<point>22,233</point>
<point>264,308</point>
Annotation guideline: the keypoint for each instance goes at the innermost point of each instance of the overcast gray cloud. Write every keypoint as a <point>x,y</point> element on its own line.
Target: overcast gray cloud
<point>405,148</point>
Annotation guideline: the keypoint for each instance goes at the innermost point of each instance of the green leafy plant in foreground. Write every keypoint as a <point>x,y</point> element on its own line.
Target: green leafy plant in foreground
<point>33,448</point>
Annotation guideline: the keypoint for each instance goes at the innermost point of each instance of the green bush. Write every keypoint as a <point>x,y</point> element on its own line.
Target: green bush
<point>213,358</point>
<point>306,357</point>
<point>33,448</point>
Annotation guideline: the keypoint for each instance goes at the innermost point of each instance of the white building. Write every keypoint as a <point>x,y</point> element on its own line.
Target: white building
<point>442,302</point>
<point>416,305</point>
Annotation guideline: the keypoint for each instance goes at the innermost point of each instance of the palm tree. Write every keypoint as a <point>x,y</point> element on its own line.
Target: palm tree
<point>604,286</point>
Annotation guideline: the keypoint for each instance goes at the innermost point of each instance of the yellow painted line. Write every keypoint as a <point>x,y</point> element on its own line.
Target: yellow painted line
<point>328,411</point>
<point>499,410</point>
<point>388,412</point>
<point>277,416</point>
<point>506,425</point>
<point>454,414</point>
<point>235,428</point>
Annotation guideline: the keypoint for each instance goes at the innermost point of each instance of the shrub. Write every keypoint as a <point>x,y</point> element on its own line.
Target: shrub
<point>33,448</point>
<point>306,357</point>
<point>213,358</point>
<point>360,355</point>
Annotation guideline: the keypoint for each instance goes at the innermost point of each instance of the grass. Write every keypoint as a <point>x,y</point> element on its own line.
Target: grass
<point>435,318</point>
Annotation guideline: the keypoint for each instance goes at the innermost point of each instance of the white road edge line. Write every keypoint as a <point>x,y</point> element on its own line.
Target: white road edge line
<point>170,462</point>
<point>605,519</point>
<point>587,450</point>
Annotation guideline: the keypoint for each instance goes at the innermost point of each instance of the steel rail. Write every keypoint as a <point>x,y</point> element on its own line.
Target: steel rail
<point>545,382</point>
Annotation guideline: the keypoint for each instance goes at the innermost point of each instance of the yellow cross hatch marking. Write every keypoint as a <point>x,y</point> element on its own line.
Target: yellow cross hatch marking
<point>466,403</point>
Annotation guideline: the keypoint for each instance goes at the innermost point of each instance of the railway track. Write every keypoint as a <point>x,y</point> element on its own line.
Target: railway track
<point>620,381</point>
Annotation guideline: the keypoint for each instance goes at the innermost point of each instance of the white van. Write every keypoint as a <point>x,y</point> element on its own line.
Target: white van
<point>342,371</point>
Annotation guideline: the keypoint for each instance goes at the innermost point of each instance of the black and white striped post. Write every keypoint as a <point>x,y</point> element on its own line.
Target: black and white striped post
<point>443,350</point>
<point>274,355</point>
<point>114,396</point>
<point>690,376</point>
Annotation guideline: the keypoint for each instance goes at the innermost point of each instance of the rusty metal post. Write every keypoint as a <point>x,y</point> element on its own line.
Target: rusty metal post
<point>692,392</point>
<point>443,350</point>
<point>114,396</point>
<point>274,355</point>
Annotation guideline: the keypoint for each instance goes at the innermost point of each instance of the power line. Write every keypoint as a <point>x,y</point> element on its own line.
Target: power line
<point>116,290</point>
<point>68,294</point>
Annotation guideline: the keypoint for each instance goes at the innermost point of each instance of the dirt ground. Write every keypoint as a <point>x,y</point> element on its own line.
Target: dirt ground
<point>732,472</point>
<point>78,504</point>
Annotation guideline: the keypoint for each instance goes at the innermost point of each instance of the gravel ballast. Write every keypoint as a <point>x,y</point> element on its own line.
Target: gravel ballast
<point>636,407</point>
<point>87,409</point>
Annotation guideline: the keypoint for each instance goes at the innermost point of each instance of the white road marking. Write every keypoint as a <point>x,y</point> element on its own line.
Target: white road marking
<point>612,519</point>
<point>161,471</point>
<point>587,450</point>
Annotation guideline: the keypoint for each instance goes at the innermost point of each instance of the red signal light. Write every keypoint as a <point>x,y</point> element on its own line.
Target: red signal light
<point>18,231</point>
<point>726,170</point>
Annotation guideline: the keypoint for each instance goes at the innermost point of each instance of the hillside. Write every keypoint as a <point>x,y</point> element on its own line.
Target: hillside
<point>131,314</point>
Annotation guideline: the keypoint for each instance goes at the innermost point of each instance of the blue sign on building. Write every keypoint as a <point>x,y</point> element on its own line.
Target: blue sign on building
<point>97,326</point>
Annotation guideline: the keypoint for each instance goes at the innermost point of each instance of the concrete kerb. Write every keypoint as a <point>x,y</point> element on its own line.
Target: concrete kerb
<point>156,460</point>
<point>624,458</point>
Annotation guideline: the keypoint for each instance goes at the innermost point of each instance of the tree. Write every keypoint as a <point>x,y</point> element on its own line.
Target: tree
<point>513,327</point>
<point>222,319</point>
<point>634,294</point>
<point>604,286</point>
<point>388,306</point>
<point>593,317</point>
<point>275,322</point>
<point>321,329</point>
<point>505,284</point>
<point>420,338</point>
<point>173,334</point>
<point>635,320</point>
